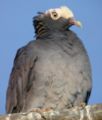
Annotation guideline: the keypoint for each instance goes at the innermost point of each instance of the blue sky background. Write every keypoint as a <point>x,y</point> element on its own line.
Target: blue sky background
<point>16,30</point>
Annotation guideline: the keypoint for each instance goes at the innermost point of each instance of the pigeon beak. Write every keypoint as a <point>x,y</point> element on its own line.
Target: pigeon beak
<point>72,21</point>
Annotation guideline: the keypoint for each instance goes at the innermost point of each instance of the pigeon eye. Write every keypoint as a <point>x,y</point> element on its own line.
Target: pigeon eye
<point>54,15</point>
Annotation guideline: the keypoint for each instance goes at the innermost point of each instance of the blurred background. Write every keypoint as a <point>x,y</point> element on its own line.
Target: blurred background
<point>16,30</point>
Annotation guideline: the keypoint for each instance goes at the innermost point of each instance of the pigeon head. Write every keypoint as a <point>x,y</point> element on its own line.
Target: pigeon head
<point>54,19</point>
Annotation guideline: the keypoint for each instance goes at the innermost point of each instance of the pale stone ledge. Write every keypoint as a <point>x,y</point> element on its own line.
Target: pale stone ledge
<point>89,112</point>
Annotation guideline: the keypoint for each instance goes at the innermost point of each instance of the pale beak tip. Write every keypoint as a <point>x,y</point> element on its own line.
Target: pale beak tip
<point>79,24</point>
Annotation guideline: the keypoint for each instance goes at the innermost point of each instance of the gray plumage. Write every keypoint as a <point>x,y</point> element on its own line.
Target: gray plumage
<point>51,71</point>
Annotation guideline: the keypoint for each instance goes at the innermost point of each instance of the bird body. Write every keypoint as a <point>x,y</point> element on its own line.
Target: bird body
<point>51,71</point>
